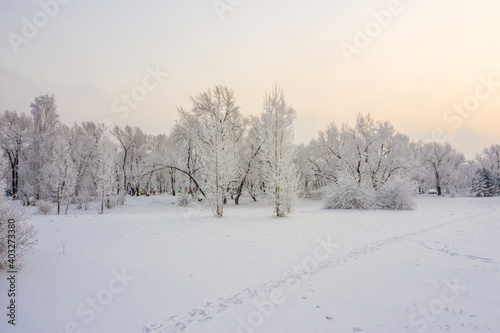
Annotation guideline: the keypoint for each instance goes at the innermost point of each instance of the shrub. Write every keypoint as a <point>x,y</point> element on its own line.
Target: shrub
<point>25,233</point>
<point>347,193</point>
<point>83,200</point>
<point>395,194</point>
<point>183,199</point>
<point>44,207</point>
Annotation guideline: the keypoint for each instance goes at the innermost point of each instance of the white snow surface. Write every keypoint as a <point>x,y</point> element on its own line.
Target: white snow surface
<point>433,269</point>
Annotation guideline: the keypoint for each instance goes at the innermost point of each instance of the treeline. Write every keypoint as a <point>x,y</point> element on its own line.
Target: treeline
<point>215,153</point>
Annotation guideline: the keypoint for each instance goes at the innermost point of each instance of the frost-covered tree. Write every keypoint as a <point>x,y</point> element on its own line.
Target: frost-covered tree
<point>305,168</point>
<point>45,126</point>
<point>3,169</point>
<point>332,153</point>
<point>139,164</point>
<point>152,174</point>
<point>382,152</point>
<point>15,129</point>
<point>249,149</point>
<point>278,152</point>
<point>443,162</point>
<point>215,126</point>
<point>372,153</point>
<point>61,173</point>
<point>180,164</point>
<point>418,170</point>
<point>89,135</point>
<point>182,155</point>
<point>129,140</point>
<point>490,159</point>
<point>484,183</point>
<point>105,170</point>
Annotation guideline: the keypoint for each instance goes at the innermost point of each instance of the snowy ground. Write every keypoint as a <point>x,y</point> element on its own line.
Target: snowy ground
<point>153,267</point>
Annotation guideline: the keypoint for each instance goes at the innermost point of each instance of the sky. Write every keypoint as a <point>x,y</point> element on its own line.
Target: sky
<point>432,68</point>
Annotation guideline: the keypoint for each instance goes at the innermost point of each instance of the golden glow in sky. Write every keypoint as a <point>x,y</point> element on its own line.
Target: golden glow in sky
<point>430,67</point>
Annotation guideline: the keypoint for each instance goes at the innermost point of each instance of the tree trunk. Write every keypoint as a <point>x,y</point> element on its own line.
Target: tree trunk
<point>238,194</point>
<point>172,181</point>
<point>58,202</point>
<point>219,206</point>
<point>67,205</point>
<point>438,183</point>
<point>14,186</point>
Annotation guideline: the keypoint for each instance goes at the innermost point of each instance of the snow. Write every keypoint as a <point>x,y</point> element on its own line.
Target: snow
<point>182,269</point>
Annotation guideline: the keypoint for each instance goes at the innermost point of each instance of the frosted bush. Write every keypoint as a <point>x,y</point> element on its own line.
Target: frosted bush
<point>183,199</point>
<point>120,200</point>
<point>111,202</point>
<point>396,194</point>
<point>84,198</point>
<point>44,207</point>
<point>347,193</point>
<point>25,233</point>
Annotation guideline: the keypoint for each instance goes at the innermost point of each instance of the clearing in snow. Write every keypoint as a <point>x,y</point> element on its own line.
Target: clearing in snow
<point>151,266</point>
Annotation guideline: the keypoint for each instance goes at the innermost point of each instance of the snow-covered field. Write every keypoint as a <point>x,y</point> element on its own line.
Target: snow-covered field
<point>151,266</point>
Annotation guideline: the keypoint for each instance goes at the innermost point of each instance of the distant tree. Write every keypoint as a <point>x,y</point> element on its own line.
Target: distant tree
<point>305,167</point>
<point>182,156</point>
<point>465,177</point>
<point>153,176</point>
<point>105,170</point>
<point>61,173</point>
<point>88,136</point>
<point>129,140</point>
<point>489,158</point>
<point>372,154</point>
<point>443,162</point>
<point>249,148</point>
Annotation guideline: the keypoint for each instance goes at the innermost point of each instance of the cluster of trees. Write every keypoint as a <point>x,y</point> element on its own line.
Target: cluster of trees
<point>223,153</point>
<point>215,154</point>
<point>387,167</point>
<point>370,165</point>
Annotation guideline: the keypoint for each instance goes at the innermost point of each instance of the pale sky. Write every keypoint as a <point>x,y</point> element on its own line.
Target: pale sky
<point>416,65</point>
